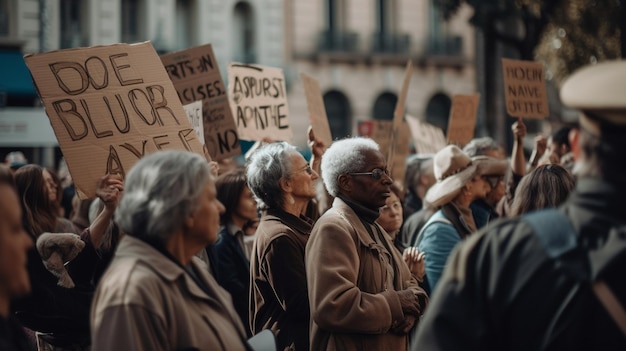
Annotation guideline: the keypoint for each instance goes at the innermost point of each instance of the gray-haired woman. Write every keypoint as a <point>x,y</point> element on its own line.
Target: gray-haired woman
<point>284,183</point>
<point>154,296</point>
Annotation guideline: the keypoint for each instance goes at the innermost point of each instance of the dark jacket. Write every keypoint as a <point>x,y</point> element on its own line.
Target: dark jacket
<point>279,299</point>
<point>233,273</point>
<point>12,337</point>
<point>483,213</point>
<point>501,290</point>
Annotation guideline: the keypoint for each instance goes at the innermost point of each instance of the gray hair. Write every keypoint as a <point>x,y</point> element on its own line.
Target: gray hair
<point>480,146</point>
<point>265,167</point>
<point>160,192</point>
<point>416,166</point>
<point>344,156</point>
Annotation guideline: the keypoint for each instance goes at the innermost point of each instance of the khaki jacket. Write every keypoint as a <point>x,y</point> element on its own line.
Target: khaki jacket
<point>349,277</point>
<point>145,301</point>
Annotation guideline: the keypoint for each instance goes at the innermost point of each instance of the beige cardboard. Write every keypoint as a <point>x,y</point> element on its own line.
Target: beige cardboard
<point>109,106</point>
<point>194,115</point>
<point>427,138</point>
<point>381,132</point>
<point>258,100</point>
<point>462,120</point>
<point>398,113</point>
<point>525,89</point>
<point>317,110</point>
<point>196,76</point>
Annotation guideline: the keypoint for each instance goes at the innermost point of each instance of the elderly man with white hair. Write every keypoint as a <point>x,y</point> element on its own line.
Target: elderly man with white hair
<point>361,293</point>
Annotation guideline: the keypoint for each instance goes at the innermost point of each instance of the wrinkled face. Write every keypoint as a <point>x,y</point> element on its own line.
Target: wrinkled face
<point>205,221</point>
<point>14,245</point>
<point>51,186</point>
<point>246,207</point>
<point>302,178</point>
<point>365,189</point>
<point>391,214</point>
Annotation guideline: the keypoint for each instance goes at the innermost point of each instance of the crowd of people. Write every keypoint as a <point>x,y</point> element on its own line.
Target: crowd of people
<point>476,249</point>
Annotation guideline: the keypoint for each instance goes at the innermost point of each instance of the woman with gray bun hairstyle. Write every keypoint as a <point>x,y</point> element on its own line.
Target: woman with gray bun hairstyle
<point>284,184</point>
<point>155,294</point>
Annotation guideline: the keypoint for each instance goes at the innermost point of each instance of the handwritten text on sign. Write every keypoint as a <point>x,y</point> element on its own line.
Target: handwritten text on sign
<point>258,100</point>
<point>109,106</point>
<point>525,89</point>
<point>196,76</point>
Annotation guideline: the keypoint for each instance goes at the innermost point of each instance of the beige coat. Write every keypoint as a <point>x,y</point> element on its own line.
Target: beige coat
<point>145,301</point>
<point>352,285</point>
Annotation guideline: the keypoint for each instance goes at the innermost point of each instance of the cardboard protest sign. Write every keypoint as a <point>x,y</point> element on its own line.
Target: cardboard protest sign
<point>196,76</point>
<point>382,133</point>
<point>194,115</point>
<point>317,110</point>
<point>109,106</point>
<point>258,100</point>
<point>398,113</point>
<point>462,121</point>
<point>525,89</point>
<point>427,138</point>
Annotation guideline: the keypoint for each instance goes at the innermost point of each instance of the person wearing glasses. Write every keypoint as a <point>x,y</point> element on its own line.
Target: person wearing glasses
<point>284,184</point>
<point>459,183</point>
<point>362,295</point>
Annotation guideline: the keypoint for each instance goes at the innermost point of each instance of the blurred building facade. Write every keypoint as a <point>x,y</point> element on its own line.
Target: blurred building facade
<point>357,49</point>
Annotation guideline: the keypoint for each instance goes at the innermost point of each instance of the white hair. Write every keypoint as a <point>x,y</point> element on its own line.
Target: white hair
<point>160,192</point>
<point>344,156</point>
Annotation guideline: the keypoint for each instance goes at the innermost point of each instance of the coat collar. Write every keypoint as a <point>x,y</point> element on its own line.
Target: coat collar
<point>301,224</point>
<point>346,212</point>
<point>166,268</point>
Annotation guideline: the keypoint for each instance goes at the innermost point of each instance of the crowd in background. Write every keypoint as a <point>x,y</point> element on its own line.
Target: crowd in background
<point>187,254</point>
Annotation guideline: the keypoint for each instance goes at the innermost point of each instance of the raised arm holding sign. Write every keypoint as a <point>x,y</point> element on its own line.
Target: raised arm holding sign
<point>109,106</point>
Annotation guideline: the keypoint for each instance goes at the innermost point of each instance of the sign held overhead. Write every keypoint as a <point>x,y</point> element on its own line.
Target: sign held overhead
<point>196,76</point>
<point>109,106</point>
<point>462,121</point>
<point>258,100</point>
<point>525,89</point>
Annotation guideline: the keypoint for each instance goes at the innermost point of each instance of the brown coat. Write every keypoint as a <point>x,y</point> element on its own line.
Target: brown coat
<point>145,301</point>
<point>349,275</point>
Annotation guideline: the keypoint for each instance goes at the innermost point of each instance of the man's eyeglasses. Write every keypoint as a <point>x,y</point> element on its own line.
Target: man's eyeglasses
<point>493,180</point>
<point>376,173</point>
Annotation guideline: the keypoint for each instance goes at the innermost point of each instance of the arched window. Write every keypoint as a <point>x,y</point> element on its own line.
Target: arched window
<point>338,112</point>
<point>384,106</point>
<point>438,111</point>
<point>243,33</point>
<point>74,30</point>
<point>185,32</point>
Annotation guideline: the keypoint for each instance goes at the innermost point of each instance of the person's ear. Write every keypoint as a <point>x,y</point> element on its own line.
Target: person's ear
<point>285,185</point>
<point>188,222</point>
<point>573,136</point>
<point>345,182</point>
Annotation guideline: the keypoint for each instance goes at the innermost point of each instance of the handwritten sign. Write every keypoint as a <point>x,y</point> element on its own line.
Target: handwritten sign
<point>398,113</point>
<point>109,106</point>
<point>317,111</point>
<point>427,138</point>
<point>462,121</point>
<point>382,133</point>
<point>196,76</point>
<point>258,100</point>
<point>525,89</point>
<point>194,115</point>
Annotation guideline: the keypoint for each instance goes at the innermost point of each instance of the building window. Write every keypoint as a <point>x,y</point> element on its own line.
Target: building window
<point>6,12</point>
<point>74,31</point>
<point>438,111</point>
<point>132,21</point>
<point>243,30</point>
<point>184,24</point>
<point>338,112</point>
<point>384,106</point>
